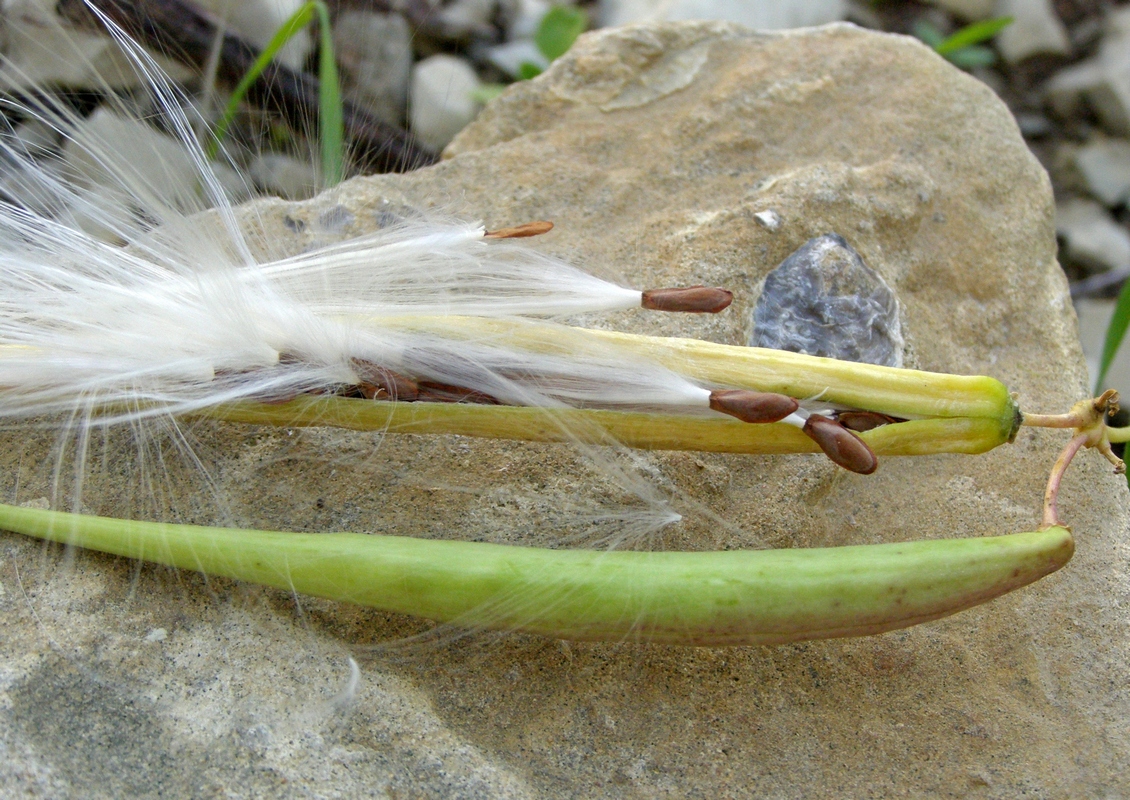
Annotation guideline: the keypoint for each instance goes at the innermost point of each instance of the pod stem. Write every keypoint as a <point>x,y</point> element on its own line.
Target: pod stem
<point>1088,418</point>
<point>1118,435</point>
<point>1082,415</point>
<point>1051,494</point>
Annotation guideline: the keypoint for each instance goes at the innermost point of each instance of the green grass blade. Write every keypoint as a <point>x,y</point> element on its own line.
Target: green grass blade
<point>331,127</point>
<point>298,20</point>
<point>972,34</point>
<point>528,70</point>
<point>971,57</point>
<point>330,124</point>
<point>559,28</point>
<point>928,33</point>
<point>1115,333</point>
<point>487,92</point>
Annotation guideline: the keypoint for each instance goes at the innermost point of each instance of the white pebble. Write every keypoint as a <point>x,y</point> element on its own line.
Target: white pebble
<point>1102,81</point>
<point>257,21</point>
<point>441,102</point>
<point>1094,319</point>
<point>375,55</point>
<point>36,137</point>
<point>107,149</point>
<point>1105,166</point>
<point>511,56</point>
<point>1114,55</point>
<point>1091,236</point>
<point>968,9</point>
<point>527,15</point>
<point>757,14</point>
<point>1069,88</point>
<point>467,17</point>
<point>1035,30</point>
<point>769,219</point>
<point>285,176</point>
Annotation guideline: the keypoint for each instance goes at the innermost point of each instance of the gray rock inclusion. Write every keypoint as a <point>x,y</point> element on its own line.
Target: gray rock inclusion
<point>824,301</point>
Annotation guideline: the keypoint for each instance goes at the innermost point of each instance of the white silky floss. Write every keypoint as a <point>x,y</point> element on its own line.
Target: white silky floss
<point>184,319</point>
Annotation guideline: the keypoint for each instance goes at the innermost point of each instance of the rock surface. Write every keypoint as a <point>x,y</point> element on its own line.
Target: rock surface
<point>653,149</point>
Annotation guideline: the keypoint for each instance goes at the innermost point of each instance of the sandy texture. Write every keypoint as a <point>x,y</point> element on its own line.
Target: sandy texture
<point>651,149</point>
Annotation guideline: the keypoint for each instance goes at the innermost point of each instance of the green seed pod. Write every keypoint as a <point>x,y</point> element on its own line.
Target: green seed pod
<point>702,598</point>
<point>643,431</point>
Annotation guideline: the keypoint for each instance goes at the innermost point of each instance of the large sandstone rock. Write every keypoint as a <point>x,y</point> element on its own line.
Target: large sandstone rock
<point>652,149</point>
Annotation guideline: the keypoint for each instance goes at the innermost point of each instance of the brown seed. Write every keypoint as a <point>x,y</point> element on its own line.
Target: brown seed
<point>751,406</point>
<point>436,392</point>
<point>692,299</point>
<point>520,231</point>
<point>405,393</point>
<point>276,397</point>
<point>841,445</point>
<point>379,383</point>
<point>861,421</point>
